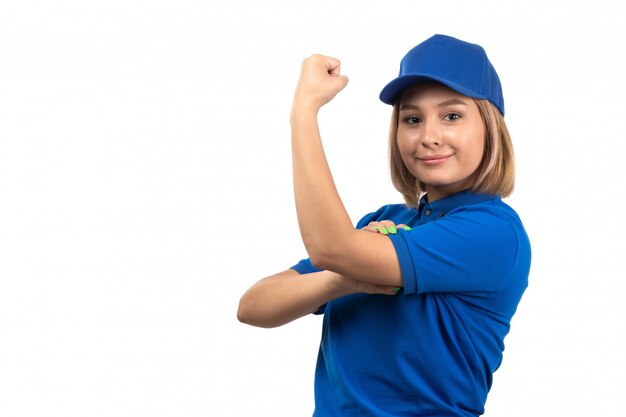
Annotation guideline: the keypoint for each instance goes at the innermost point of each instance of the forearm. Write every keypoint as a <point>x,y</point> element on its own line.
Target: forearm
<point>286,296</point>
<point>322,217</point>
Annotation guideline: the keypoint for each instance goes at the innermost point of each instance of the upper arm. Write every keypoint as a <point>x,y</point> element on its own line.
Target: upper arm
<point>468,251</point>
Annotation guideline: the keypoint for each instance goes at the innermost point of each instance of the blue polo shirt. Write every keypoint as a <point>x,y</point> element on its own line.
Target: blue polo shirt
<point>431,350</point>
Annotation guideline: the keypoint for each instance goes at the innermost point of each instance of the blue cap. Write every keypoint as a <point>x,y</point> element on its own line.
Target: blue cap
<point>462,66</point>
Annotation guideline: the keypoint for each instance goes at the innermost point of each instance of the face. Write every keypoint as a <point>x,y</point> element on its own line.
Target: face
<point>441,138</point>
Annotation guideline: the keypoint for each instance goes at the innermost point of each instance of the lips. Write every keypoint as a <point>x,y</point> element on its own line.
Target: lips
<point>434,159</point>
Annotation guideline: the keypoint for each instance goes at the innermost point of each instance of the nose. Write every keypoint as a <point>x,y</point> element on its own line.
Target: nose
<point>431,137</point>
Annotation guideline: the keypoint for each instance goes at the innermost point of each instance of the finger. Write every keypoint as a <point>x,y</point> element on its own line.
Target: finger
<point>387,290</point>
<point>364,287</point>
<point>344,81</point>
<point>380,228</point>
<point>369,288</point>
<point>390,226</point>
<point>384,227</point>
<point>333,65</point>
<point>373,227</point>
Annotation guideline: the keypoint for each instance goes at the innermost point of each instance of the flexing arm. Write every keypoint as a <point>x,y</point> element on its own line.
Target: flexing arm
<point>286,296</point>
<point>327,232</point>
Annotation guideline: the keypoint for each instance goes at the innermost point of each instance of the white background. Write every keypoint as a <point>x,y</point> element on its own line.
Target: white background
<point>145,184</point>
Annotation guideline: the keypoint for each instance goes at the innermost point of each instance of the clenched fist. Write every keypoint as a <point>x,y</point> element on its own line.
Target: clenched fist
<point>320,80</point>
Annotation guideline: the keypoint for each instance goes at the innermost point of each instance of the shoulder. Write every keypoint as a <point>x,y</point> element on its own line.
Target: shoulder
<point>492,220</point>
<point>493,209</point>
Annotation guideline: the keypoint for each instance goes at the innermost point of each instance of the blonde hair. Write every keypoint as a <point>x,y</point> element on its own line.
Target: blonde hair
<point>495,174</point>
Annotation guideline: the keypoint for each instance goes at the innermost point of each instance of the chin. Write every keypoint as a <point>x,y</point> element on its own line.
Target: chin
<point>438,184</point>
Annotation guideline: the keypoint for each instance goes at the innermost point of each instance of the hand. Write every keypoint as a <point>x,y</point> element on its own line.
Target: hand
<point>385,227</point>
<point>320,81</point>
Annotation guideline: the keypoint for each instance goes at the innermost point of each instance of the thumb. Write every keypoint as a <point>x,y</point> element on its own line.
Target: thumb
<point>342,81</point>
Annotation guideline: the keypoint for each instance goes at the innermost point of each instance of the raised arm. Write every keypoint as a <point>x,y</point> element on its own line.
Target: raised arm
<point>286,296</point>
<point>327,232</point>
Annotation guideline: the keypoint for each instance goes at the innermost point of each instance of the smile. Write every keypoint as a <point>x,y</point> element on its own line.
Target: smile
<point>435,159</point>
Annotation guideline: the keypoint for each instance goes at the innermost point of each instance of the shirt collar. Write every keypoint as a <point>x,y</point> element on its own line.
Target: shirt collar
<point>441,207</point>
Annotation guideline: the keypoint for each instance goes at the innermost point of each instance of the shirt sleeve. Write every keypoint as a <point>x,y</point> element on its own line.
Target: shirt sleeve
<point>467,251</point>
<point>305,267</point>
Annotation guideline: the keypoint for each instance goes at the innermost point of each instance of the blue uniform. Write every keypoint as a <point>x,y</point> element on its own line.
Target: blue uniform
<point>431,350</point>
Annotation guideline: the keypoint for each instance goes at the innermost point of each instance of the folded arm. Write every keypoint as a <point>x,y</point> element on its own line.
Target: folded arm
<point>327,231</point>
<point>286,296</point>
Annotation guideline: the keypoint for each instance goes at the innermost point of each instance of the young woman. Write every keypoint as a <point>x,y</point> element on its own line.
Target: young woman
<point>417,299</point>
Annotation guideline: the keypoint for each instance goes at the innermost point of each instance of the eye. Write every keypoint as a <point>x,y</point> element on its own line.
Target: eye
<point>412,120</point>
<point>452,116</point>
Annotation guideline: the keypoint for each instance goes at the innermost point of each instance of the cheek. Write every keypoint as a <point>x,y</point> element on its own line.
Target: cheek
<point>480,148</point>
<point>476,147</point>
<point>406,153</point>
<point>476,150</point>
<point>404,143</point>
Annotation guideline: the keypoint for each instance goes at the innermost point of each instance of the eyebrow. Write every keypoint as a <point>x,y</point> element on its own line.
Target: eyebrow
<point>442,104</point>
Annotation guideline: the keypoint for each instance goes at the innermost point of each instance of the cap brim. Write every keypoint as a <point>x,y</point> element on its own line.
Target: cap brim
<point>392,91</point>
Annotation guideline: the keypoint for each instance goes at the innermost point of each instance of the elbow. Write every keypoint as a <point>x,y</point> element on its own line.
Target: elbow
<point>243,311</point>
<point>322,260</point>
<point>327,245</point>
<point>314,248</point>
<point>241,315</point>
<point>327,255</point>
<point>317,262</point>
<point>247,314</point>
